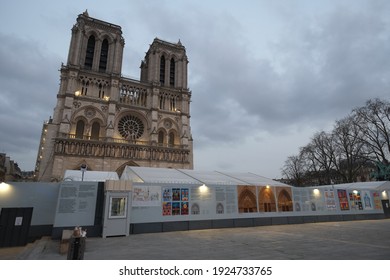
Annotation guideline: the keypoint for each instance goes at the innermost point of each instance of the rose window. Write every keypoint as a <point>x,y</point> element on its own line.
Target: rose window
<point>131,127</point>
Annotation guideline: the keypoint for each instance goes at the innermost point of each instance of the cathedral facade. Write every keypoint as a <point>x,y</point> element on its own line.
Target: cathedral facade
<point>103,121</point>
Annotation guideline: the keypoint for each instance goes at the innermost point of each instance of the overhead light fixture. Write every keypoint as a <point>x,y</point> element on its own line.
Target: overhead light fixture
<point>4,187</point>
<point>203,188</point>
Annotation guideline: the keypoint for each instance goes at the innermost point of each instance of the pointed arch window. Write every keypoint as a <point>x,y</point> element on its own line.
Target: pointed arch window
<point>80,129</point>
<point>161,138</point>
<point>162,102</point>
<point>84,88</point>
<point>101,91</point>
<point>95,131</point>
<point>90,52</point>
<point>172,73</point>
<point>103,56</point>
<point>171,139</point>
<point>162,70</point>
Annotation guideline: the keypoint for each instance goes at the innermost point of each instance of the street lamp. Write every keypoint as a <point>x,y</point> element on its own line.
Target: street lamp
<point>83,168</point>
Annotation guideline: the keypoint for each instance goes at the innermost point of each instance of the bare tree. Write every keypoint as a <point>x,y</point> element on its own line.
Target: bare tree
<point>349,151</point>
<point>374,121</point>
<point>321,155</point>
<point>294,170</point>
<point>350,154</point>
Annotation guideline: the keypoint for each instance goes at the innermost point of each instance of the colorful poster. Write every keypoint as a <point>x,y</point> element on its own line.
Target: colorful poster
<point>184,208</point>
<point>176,194</point>
<point>175,201</point>
<point>356,201</point>
<point>175,208</point>
<point>377,200</point>
<point>343,199</point>
<point>184,195</point>
<point>146,196</point>
<point>330,200</point>
<point>367,201</point>
<point>167,208</point>
<point>167,194</point>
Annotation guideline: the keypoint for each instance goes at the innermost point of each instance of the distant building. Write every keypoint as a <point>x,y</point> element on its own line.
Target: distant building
<point>104,121</point>
<point>9,169</point>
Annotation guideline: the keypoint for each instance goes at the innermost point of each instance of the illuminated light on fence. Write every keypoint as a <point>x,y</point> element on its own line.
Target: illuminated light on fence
<point>203,188</point>
<point>4,187</point>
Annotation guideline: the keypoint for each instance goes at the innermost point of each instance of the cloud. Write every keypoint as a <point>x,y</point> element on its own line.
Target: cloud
<point>28,77</point>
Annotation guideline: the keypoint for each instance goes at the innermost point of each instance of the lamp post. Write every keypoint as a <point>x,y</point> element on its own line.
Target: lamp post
<point>83,168</point>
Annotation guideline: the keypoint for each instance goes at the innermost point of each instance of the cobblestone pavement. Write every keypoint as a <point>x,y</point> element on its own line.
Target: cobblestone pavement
<point>352,240</point>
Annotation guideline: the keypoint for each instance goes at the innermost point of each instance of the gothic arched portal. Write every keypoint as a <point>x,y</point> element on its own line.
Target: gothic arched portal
<point>247,201</point>
<point>267,200</point>
<point>284,201</point>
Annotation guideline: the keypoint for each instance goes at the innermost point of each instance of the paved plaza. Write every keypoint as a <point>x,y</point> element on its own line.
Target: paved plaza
<point>352,240</point>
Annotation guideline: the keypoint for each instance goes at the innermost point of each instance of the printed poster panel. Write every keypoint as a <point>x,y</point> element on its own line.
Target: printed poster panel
<point>175,194</point>
<point>167,194</point>
<point>330,200</point>
<point>184,208</point>
<point>356,201</point>
<point>175,208</point>
<point>247,199</point>
<point>76,204</point>
<point>317,200</point>
<point>367,200</point>
<point>225,198</point>
<point>377,201</point>
<point>184,194</point>
<point>175,201</point>
<point>146,196</point>
<point>297,199</point>
<point>305,200</point>
<point>167,208</point>
<point>284,199</point>
<point>231,201</point>
<point>343,199</point>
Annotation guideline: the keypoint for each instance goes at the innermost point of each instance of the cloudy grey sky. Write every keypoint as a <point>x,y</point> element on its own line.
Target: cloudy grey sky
<point>265,75</point>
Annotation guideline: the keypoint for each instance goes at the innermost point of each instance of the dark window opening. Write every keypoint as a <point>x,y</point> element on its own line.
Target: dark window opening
<point>162,70</point>
<point>80,129</point>
<point>103,56</point>
<point>171,139</point>
<point>95,131</point>
<point>90,52</point>
<point>172,73</point>
<point>161,138</point>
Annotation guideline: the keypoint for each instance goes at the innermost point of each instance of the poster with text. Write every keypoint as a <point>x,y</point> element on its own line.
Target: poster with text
<point>184,208</point>
<point>343,199</point>
<point>297,199</point>
<point>367,200</point>
<point>167,209</point>
<point>356,201</point>
<point>377,201</point>
<point>146,196</point>
<point>330,200</point>
<point>167,194</point>
<point>175,208</point>
<point>175,194</point>
<point>184,194</point>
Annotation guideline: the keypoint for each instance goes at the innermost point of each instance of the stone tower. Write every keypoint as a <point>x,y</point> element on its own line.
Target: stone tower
<point>105,121</point>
